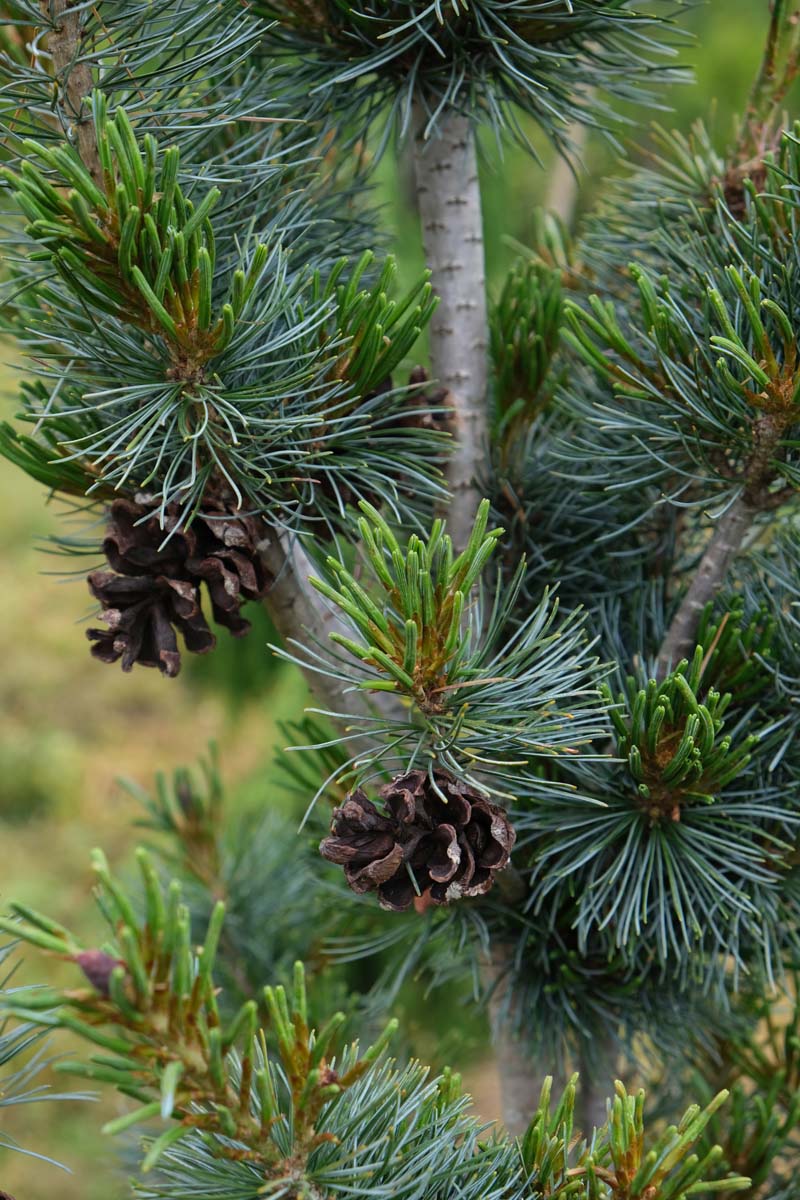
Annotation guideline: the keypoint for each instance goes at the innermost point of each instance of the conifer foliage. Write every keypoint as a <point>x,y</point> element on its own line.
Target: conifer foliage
<point>296,1114</point>
<point>544,586</point>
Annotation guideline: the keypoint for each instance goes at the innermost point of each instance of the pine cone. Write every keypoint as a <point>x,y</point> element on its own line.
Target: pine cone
<point>227,559</point>
<point>156,589</point>
<point>142,614</point>
<point>419,845</point>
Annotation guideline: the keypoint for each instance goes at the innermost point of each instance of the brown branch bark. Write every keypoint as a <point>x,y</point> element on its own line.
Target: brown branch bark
<point>74,78</point>
<point>726,541</point>
<point>449,197</point>
<point>779,68</point>
<point>729,533</point>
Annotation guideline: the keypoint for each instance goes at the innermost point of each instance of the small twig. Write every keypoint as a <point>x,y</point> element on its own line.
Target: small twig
<point>73,76</point>
<point>726,541</point>
<point>714,643</point>
<point>779,68</point>
<point>730,534</point>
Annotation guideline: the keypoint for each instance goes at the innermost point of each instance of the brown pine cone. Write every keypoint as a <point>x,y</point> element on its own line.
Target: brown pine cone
<point>137,546</point>
<point>227,559</point>
<point>419,845</point>
<point>155,592</point>
<point>142,614</point>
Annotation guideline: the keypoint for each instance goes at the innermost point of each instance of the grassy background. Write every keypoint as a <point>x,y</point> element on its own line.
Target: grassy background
<point>70,726</point>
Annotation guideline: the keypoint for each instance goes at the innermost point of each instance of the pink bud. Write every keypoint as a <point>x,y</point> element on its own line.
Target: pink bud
<point>97,967</point>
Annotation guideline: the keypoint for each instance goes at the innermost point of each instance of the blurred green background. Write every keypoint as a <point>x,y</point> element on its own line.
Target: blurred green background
<point>71,726</point>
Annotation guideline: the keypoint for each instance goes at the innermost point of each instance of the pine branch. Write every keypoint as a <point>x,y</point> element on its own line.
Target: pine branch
<point>779,68</point>
<point>721,393</point>
<point>125,252</point>
<point>298,1117</point>
<point>300,613</point>
<point>153,1003</point>
<point>471,699</point>
<point>730,534</point>
<point>779,400</point>
<point>74,77</point>
<point>448,189</point>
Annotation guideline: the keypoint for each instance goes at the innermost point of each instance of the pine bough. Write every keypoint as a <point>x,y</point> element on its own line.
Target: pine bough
<point>582,800</point>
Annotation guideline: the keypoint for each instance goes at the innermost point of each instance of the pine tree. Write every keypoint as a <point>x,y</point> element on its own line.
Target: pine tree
<point>544,589</point>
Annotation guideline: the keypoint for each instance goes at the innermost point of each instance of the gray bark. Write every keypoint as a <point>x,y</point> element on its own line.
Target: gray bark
<point>449,196</point>
<point>726,541</point>
<point>450,208</point>
<point>519,1093</point>
<point>521,1079</point>
<point>519,1090</point>
<point>299,612</point>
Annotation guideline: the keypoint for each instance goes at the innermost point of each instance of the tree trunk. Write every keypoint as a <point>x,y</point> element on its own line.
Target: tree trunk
<point>519,1078</point>
<point>519,1094</point>
<point>449,197</point>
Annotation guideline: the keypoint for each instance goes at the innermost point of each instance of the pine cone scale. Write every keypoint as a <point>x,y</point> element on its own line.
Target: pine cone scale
<point>373,874</point>
<point>440,852</point>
